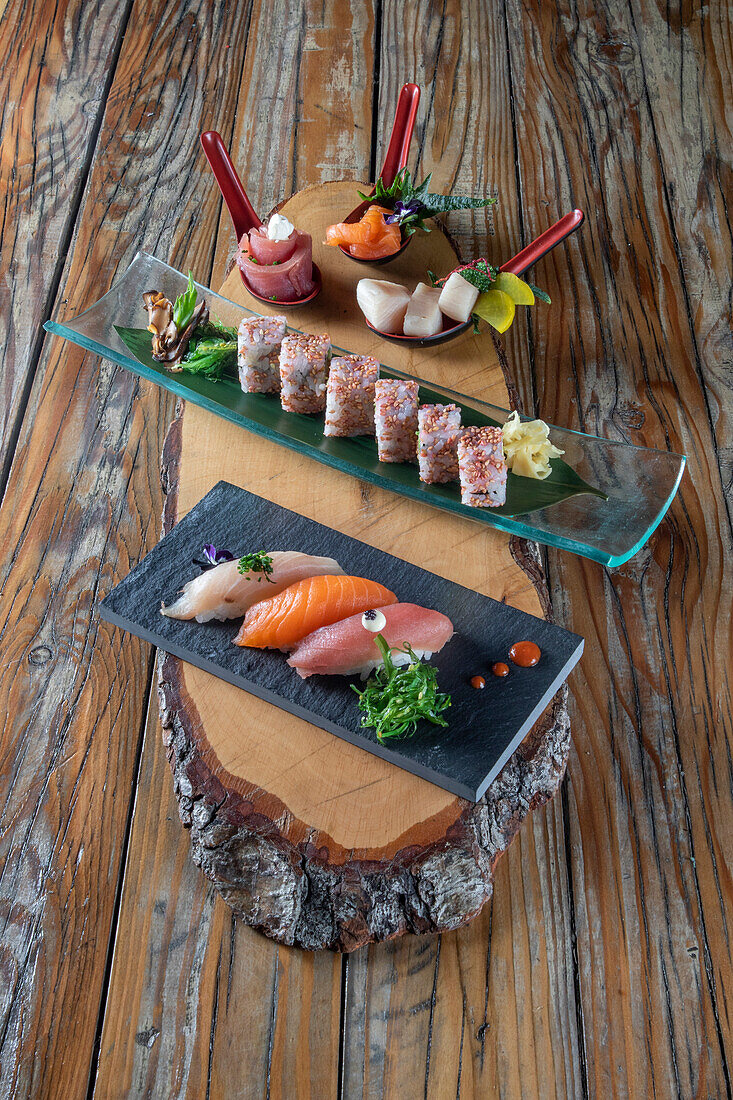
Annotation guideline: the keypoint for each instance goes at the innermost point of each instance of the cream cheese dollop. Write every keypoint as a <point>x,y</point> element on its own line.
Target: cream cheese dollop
<point>373,621</point>
<point>279,228</point>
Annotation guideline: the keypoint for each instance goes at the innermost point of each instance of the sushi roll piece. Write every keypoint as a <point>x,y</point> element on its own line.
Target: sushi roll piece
<point>350,395</point>
<point>303,370</point>
<point>347,649</point>
<point>258,353</point>
<point>438,432</point>
<point>395,413</point>
<point>482,467</point>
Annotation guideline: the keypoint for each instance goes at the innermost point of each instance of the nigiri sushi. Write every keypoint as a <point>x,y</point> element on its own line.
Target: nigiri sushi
<point>225,593</point>
<point>346,648</point>
<point>282,620</point>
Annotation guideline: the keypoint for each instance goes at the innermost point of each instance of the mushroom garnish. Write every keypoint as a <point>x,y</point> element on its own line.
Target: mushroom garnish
<point>160,322</point>
<point>172,325</point>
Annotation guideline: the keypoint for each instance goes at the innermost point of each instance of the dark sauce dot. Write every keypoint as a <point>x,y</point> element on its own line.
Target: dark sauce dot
<point>478,682</point>
<point>500,669</point>
<point>525,654</point>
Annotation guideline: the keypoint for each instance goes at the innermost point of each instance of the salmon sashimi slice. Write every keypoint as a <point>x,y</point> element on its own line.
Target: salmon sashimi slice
<point>347,648</point>
<point>225,593</point>
<point>282,620</point>
<point>368,239</point>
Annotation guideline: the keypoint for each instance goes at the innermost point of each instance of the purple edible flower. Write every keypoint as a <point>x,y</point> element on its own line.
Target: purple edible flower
<point>213,557</point>
<point>403,210</point>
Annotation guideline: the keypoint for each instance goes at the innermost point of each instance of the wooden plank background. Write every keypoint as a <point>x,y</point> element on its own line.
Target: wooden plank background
<point>601,966</point>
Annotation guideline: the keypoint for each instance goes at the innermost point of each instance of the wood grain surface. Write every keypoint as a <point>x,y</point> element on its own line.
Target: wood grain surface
<point>601,966</point>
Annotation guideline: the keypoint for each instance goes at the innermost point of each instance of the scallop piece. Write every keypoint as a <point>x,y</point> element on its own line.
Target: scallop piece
<point>382,303</point>
<point>457,298</point>
<point>423,317</point>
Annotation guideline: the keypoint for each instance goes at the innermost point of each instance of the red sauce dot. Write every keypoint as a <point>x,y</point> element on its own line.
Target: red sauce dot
<point>500,669</point>
<point>478,682</point>
<point>525,654</point>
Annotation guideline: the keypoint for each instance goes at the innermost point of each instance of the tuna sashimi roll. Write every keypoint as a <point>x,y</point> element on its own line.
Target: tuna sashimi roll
<point>350,395</point>
<point>277,261</point>
<point>438,432</point>
<point>395,408</point>
<point>303,369</point>
<point>482,467</point>
<point>258,353</point>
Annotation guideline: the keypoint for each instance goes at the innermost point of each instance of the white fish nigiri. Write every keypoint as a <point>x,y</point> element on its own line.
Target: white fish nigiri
<point>382,303</point>
<point>348,647</point>
<point>423,317</point>
<point>225,593</point>
<point>458,297</point>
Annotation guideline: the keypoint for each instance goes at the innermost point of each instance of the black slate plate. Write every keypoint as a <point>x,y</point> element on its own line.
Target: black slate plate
<point>484,726</point>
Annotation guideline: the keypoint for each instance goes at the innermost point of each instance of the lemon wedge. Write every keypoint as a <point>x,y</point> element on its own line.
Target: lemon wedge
<point>496,307</point>
<point>516,288</point>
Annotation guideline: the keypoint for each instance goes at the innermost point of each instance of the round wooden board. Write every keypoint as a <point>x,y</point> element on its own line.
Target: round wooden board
<point>312,840</point>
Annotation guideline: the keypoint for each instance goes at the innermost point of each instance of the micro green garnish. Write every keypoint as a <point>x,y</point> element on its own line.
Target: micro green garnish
<point>480,274</point>
<point>184,306</point>
<point>256,563</point>
<point>411,204</point>
<point>396,697</point>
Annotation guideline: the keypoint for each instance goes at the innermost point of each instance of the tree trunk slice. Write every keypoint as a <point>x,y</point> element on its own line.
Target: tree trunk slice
<point>310,839</point>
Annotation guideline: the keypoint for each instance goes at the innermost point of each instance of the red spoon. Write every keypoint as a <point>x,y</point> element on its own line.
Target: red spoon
<point>518,264</point>
<point>241,211</point>
<point>395,160</point>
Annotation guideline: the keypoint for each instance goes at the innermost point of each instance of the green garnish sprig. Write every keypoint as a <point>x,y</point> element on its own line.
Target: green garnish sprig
<point>256,563</point>
<point>396,697</point>
<point>184,305</point>
<point>412,203</point>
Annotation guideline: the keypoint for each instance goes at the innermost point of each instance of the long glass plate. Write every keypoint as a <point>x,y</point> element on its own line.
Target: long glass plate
<point>630,488</point>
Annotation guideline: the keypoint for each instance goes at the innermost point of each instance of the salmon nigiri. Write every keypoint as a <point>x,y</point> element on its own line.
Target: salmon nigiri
<point>347,648</point>
<point>370,238</point>
<point>225,593</point>
<point>282,620</point>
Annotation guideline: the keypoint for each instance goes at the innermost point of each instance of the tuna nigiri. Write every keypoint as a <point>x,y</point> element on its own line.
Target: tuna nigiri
<point>347,648</point>
<point>370,238</point>
<point>282,620</point>
<point>225,593</point>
